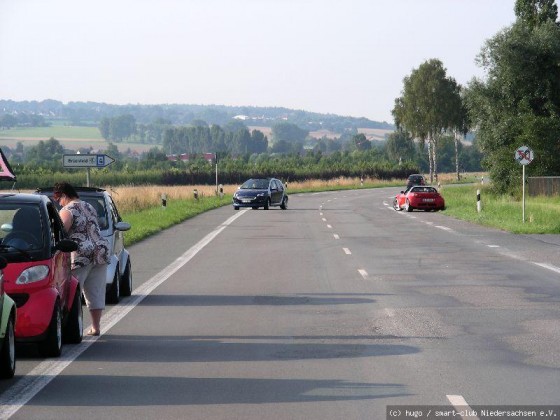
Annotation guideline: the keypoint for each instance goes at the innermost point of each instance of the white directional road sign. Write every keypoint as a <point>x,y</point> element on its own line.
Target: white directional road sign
<point>524,155</point>
<point>86,161</point>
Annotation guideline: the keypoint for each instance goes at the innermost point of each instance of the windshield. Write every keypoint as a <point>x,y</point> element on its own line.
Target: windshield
<point>255,184</point>
<point>20,226</point>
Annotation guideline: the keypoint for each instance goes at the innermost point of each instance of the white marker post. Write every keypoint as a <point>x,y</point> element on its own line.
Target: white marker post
<point>524,155</point>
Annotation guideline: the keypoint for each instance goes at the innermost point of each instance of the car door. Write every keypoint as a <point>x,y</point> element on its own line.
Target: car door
<point>118,236</point>
<point>277,190</point>
<point>60,261</point>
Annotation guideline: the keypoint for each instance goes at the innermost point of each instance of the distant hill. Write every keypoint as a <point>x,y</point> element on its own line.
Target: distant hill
<point>90,113</point>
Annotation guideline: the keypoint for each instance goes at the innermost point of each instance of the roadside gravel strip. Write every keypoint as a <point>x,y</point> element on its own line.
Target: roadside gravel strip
<point>28,386</point>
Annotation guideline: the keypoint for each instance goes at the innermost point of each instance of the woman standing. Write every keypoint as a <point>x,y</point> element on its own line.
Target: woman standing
<point>89,262</point>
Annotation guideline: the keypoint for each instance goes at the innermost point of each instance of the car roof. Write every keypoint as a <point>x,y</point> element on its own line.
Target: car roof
<point>22,198</point>
<point>78,189</point>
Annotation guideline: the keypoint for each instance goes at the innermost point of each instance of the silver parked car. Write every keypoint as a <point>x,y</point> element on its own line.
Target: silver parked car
<point>119,270</point>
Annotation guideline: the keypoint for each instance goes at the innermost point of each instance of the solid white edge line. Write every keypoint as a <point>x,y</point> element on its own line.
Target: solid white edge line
<point>548,267</point>
<point>31,384</point>
<point>460,404</point>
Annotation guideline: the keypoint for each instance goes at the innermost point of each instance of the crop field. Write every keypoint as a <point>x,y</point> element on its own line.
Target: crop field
<point>71,137</point>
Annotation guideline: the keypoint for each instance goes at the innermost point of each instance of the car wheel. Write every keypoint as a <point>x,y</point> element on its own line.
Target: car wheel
<point>8,353</point>
<point>112,295</point>
<point>126,280</point>
<point>396,205</point>
<point>267,205</point>
<point>52,345</point>
<point>74,329</point>
<point>284,204</point>
<point>407,206</point>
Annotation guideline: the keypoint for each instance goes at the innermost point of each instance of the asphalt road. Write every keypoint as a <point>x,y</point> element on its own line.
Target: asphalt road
<point>335,308</point>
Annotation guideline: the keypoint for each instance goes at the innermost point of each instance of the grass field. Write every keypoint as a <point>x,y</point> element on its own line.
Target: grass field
<point>71,137</point>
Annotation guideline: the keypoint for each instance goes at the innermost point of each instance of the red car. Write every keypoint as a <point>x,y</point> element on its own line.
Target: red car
<point>420,197</point>
<point>38,276</point>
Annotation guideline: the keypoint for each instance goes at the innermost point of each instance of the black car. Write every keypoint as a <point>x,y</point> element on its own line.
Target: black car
<point>261,192</point>
<point>415,179</point>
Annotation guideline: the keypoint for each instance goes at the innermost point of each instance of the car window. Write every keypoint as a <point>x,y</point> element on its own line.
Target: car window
<point>57,229</point>
<point>21,226</point>
<point>98,203</point>
<point>424,189</point>
<point>114,212</point>
<point>255,184</point>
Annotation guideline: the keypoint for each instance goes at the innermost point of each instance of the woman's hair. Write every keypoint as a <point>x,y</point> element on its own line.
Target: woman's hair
<point>66,189</point>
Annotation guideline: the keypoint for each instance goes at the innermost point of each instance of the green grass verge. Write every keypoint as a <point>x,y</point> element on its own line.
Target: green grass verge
<point>542,214</point>
<point>151,221</point>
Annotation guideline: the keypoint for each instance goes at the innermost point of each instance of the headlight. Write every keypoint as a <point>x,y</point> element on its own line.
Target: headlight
<point>33,274</point>
<point>261,194</point>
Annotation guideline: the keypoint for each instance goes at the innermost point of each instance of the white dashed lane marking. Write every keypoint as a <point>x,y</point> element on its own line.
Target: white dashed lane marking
<point>346,251</point>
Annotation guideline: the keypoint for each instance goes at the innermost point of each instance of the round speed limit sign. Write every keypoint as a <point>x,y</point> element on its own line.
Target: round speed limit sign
<point>524,155</point>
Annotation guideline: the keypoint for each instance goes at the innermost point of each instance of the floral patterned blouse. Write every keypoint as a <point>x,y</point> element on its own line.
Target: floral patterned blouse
<point>92,247</point>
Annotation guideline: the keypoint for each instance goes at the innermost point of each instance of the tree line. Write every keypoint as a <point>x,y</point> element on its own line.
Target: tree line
<point>517,104</point>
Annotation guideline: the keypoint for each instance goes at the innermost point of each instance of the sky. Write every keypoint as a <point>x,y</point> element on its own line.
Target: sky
<point>345,57</point>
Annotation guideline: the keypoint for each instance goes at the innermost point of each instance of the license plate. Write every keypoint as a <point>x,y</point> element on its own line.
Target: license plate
<point>428,200</point>
<point>246,201</point>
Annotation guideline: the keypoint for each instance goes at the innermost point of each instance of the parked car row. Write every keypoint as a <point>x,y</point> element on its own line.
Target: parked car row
<point>40,299</point>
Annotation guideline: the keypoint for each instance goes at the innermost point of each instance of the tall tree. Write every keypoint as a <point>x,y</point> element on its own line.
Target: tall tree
<point>536,12</point>
<point>428,107</point>
<point>519,102</point>
<point>400,147</point>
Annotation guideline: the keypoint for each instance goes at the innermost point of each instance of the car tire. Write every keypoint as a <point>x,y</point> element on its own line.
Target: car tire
<point>74,328</point>
<point>236,207</point>
<point>267,205</point>
<point>8,352</point>
<point>284,205</point>
<point>396,205</point>
<point>112,295</point>
<point>407,206</point>
<point>51,346</point>
<point>126,280</point>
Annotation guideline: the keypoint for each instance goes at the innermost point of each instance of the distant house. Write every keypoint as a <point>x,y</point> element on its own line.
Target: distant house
<point>241,117</point>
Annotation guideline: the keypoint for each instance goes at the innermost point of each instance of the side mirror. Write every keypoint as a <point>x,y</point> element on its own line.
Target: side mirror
<point>66,245</point>
<point>123,226</point>
<point>6,227</point>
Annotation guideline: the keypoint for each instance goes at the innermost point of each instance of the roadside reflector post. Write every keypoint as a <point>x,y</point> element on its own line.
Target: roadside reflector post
<point>164,200</point>
<point>195,193</point>
<point>221,189</point>
<point>478,206</point>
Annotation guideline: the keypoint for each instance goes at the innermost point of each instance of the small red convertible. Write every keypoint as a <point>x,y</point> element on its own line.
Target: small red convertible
<point>419,197</point>
<point>38,276</point>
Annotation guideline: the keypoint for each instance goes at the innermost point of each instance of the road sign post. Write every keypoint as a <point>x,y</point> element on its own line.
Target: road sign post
<point>86,161</point>
<point>524,155</point>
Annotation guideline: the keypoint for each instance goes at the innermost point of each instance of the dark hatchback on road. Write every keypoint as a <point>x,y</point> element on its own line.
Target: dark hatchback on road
<point>261,192</point>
